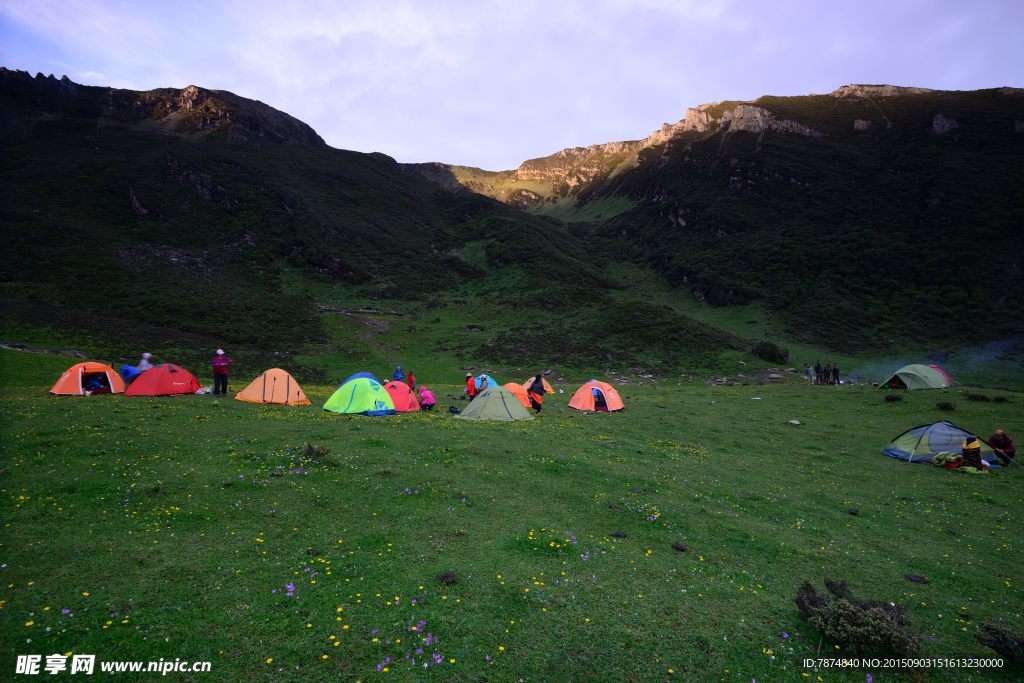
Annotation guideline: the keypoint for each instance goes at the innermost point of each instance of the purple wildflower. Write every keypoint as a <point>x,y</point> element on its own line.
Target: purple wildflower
<point>65,611</point>
<point>869,678</point>
<point>785,635</point>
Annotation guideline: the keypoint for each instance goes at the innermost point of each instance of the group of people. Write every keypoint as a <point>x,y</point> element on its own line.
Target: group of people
<point>535,392</point>
<point>822,374</point>
<point>425,396</point>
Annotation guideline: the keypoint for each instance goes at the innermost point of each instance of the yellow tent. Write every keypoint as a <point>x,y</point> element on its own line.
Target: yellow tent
<point>274,386</point>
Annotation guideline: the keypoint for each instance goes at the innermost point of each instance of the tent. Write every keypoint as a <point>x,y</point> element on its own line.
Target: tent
<point>165,379</point>
<point>529,383</point>
<point>491,382</point>
<point>588,396</point>
<point>274,386</point>
<point>74,380</point>
<point>402,396</point>
<point>361,394</point>
<point>520,392</point>
<point>495,403</point>
<point>921,443</point>
<point>918,377</point>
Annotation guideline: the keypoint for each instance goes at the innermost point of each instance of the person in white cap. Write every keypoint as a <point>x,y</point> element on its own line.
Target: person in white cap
<point>144,364</point>
<point>220,373</point>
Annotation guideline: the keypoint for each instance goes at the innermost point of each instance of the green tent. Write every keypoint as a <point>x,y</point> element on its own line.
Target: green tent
<point>918,377</point>
<point>361,394</point>
<point>495,403</point>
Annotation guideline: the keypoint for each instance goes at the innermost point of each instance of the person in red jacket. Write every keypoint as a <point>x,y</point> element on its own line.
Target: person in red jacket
<point>220,365</point>
<point>1003,445</point>
<point>470,386</point>
<point>410,379</point>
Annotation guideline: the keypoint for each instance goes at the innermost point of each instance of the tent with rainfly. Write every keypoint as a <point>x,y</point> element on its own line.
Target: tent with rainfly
<point>529,383</point>
<point>402,396</point>
<point>165,379</point>
<point>274,386</point>
<point>495,403</point>
<point>361,394</point>
<point>519,391</point>
<point>917,376</point>
<point>75,379</point>
<point>590,395</point>
<point>923,442</point>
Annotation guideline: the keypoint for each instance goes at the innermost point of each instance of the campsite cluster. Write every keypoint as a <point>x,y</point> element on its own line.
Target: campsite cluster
<point>360,394</point>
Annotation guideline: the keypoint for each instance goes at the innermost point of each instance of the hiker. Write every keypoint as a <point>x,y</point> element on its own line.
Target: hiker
<point>411,380</point>
<point>1003,446</point>
<point>95,383</point>
<point>427,400</point>
<point>817,372</point>
<point>220,365</point>
<point>835,374</point>
<point>470,386</point>
<point>808,373</point>
<point>144,364</point>
<point>483,383</point>
<point>536,393</point>
<point>399,375</point>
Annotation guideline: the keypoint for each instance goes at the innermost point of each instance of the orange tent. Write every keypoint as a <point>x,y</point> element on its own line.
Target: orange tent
<point>547,387</point>
<point>520,391</point>
<point>588,397</point>
<point>74,379</point>
<point>165,379</point>
<point>274,386</point>
<point>402,396</point>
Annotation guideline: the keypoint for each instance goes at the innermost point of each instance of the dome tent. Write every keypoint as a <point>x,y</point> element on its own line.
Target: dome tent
<point>402,396</point>
<point>74,380</point>
<point>165,379</point>
<point>597,396</point>
<point>495,403</point>
<point>274,386</point>
<point>916,376</point>
<point>922,443</point>
<point>520,392</point>
<point>361,394</point>
<point>479,381</point>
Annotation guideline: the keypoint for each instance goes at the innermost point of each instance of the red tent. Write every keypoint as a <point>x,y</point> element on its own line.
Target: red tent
<point>402,396</point>
<point>164,380</point>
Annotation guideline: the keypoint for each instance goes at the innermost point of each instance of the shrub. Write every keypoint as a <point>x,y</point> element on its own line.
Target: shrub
<point>893,398</point>
<point>1007,644</point>
<point>945,405</point>
<point>765,350</point>
<point>869,627</point>
<point>977,397</point>
<point>1001,399</point>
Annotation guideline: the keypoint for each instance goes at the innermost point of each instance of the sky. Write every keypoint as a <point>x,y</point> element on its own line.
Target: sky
<point>491,84</point>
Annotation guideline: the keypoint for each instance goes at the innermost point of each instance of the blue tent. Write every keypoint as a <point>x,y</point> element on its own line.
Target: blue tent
<point>923,442</point>
<point>491,382</point>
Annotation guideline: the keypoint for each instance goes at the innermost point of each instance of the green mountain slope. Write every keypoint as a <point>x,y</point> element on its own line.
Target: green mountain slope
<point>184,220</point>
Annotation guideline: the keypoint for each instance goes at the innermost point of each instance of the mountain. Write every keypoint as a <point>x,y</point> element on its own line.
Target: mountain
<point>181,220</point>
<point>870,214</point>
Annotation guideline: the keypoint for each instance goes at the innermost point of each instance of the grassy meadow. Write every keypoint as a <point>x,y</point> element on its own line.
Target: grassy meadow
<point>197,528</point>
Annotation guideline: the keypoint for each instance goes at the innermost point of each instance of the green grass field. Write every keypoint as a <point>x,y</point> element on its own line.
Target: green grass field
<point>171,528</point>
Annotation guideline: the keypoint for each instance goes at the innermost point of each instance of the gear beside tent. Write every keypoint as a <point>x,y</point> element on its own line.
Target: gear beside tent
<point>361,394</point>
<point>495,403</point>
<point>596,396</point>
<point>76,380</point>
<point>274,386</point>
<point>916,376</point>
<point>924,442</point>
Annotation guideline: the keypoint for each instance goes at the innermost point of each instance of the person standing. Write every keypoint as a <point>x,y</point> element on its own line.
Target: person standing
<point>410,379</point>
<point>808,373</point>
<point>835,374</point>
<point>817,372</point>
<point>536,393</point>
<point>144,363</point>
<point>470,386</point>
<point>399,375</point>
<point>220,365</point>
